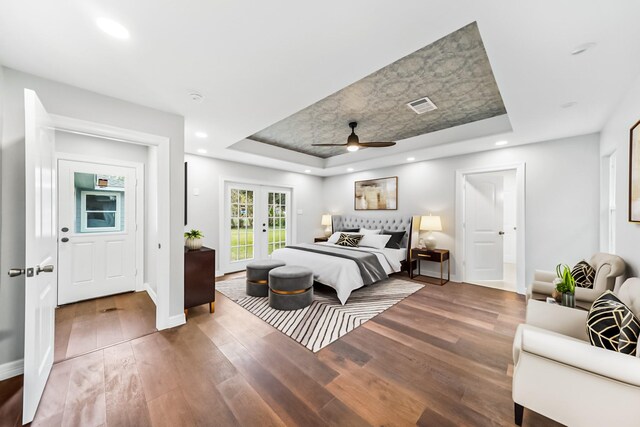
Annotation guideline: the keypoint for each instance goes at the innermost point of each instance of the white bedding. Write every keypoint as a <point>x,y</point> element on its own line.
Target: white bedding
<point>341,274</point>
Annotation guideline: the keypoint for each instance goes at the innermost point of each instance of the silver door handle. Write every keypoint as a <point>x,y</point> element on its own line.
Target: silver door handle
<point>501,232</point>
<point>15,272</point>
<point>44,269</point>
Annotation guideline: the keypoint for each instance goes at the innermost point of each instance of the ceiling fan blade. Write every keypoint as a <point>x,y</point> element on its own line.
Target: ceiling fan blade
<point>328,145</point>
<point>377,144</point>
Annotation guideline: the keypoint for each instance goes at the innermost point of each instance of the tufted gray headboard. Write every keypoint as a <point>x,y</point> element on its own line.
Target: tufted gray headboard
<point>390,223</point>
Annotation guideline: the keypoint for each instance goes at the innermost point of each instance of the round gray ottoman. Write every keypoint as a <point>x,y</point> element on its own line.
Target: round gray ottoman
<point>258,276</point>
<point>290,287</point>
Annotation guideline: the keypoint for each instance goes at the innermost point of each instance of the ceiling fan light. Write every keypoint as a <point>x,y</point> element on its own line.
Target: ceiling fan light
<point>352,148</point>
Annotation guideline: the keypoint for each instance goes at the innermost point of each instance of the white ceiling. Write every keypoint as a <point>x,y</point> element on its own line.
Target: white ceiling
<point>258,62</point>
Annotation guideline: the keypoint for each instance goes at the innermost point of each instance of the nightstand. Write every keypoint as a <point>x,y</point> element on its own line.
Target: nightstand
<point>433,255</point>
<point>320,239</point>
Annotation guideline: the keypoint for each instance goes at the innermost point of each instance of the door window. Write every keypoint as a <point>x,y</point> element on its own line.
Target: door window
<point>277,220</point>
<point>242,232</point>
<point>99,203</point>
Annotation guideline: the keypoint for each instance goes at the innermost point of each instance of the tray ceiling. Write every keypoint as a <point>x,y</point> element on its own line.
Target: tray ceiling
<point>454,72</point>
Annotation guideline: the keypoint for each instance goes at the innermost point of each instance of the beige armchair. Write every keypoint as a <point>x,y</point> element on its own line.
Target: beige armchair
<point>607,266</point>
<point>560,375</point>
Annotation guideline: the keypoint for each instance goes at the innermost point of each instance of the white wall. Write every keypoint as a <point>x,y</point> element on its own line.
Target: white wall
<point>562,196</point>
<point>70,101</point>
<point>615,136</point>
<point>206,175</point>
<point>102,148</point>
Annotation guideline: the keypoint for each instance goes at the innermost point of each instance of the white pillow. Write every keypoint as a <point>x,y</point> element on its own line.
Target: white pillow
<point>377,241</point>
<point>366,231</point>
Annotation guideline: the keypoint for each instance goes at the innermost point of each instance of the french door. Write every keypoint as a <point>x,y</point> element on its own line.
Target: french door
<point>257,222</point>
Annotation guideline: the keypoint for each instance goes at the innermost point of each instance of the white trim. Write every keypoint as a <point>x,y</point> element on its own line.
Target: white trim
<point>520,169</point>
<point>152,293</point>
<point>172,322</point>
<point>11,369</point>
<point>163,188</point>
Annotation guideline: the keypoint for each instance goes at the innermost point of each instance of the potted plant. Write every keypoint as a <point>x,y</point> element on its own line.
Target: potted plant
<point>565,285</point>
<point>193,239</point>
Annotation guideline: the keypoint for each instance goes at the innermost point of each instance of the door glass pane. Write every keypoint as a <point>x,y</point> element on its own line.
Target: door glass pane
<point>99,203</point>
<point>277,221</point>
<point>241,224</point>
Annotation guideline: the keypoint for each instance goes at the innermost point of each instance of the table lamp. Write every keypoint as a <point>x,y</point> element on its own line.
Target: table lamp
<point>326,221</point>
<point>430,223</point>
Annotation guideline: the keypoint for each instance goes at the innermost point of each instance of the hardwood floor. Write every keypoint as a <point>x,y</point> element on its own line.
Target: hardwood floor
<point>441,357</point>
<point>85,326</point>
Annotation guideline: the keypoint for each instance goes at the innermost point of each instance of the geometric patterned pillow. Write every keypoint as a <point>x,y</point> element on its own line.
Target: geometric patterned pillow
<point>584,274</point>
<point>351,240</point>
<point>612,325</point>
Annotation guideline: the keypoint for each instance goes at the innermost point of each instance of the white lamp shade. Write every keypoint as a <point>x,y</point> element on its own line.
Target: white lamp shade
<point>430,223</point>
<point>326,220</point>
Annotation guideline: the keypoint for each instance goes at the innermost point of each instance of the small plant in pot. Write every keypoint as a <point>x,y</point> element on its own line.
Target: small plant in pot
<point>565,285</point>
<point>193,239</point>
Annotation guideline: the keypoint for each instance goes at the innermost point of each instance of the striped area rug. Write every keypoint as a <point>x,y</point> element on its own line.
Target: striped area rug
<point>325,320</point>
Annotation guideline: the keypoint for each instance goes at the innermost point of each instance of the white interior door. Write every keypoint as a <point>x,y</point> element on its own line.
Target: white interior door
<point>257,222</point>
<point>40,252</point>
<point>483,227</point>
<point>97,246</point>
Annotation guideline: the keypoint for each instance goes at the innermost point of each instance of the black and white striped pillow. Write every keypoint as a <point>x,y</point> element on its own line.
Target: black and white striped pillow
<point>584,275</point>
<point>351,240</point>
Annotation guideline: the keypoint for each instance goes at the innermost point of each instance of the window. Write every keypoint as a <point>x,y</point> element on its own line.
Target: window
<point>100,211</point>
<point>612,203</point>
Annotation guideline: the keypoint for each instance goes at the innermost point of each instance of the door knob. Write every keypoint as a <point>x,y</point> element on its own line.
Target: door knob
<point>15,272</point>
<point>44,269</point>
<point>64,239</point>
<point>501,232</point>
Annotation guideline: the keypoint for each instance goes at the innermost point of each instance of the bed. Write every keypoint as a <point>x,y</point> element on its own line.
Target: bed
<point>342,268</point>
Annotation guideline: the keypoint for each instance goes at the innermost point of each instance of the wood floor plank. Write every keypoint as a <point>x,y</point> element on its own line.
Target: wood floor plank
<point>170,409</point>
<point>157,372</point>
<point>240,396</point>
<point>85,403</point>
<point>126,404</point>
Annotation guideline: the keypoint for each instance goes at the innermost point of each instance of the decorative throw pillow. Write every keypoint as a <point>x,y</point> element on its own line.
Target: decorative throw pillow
<point>349,240</point>
<point>612,325</point>
<point>377,241</point>
<point>370,231</point>
<point>584,274</point>
<point>395,240</point>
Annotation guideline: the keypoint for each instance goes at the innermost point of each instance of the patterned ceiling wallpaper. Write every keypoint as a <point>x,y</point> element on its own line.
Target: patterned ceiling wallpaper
<point>454,72</point>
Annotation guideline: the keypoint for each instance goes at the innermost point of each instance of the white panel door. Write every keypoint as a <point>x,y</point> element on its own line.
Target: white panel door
<point>483,227</point>
<point>40,252</point>
<point>97,246</point>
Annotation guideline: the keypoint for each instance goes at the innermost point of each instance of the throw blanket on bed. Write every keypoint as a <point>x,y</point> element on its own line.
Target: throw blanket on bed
<point>370,268</point>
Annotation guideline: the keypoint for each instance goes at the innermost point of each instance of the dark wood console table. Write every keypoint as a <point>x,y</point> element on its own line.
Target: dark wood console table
<point>199,278</point>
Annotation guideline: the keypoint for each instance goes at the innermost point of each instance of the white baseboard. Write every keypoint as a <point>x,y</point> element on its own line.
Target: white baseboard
<point>152,293</point>
<point>172,322</point>
<point>11,369</point>
<point>219,273</point>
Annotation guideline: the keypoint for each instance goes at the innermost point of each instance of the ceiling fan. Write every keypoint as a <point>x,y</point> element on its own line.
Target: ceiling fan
<point>353,142</point>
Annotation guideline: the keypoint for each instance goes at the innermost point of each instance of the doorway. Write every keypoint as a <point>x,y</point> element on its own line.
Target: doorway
<point>490,227</point>
<point>257,221</point>
<point>100,217</point>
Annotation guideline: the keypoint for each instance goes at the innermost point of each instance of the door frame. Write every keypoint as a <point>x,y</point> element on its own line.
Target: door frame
<point>222,184</point>
<point>140,211</point>
<point>158,183</point>
<point>460,259</point>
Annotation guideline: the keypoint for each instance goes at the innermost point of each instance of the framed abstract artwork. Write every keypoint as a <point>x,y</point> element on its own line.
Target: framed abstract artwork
<point>376,194</point>
<point>634,173</point>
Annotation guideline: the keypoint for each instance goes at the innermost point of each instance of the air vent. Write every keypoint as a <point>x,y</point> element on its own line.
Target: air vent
<point>422,105</point>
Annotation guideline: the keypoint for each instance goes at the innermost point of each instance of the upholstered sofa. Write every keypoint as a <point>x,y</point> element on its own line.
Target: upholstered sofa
<point>607,266</point>
<point>560,375</point>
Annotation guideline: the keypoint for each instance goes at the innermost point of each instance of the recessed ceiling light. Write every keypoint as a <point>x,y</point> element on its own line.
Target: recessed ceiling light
<point>113,28</point>
<point>568,104</point>
<point>201,134</point>
<point>349,169</point>
<point>582,48</point>
<point>202,151</point>
<point>502,143</point>
<point>196,96</point>
<point>307,171</point>
<point>410,159</point>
